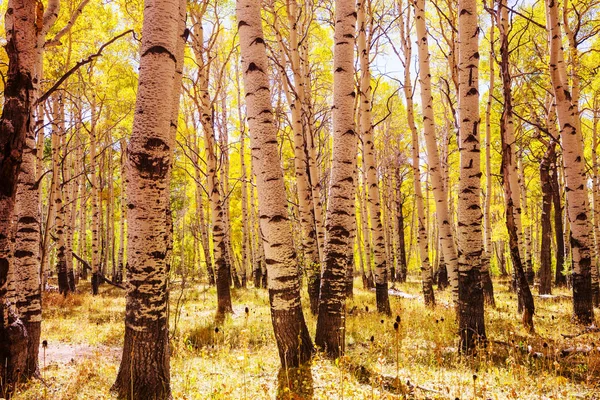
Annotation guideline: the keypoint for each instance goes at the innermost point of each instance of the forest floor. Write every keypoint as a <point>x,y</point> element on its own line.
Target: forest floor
<point>419,360</point>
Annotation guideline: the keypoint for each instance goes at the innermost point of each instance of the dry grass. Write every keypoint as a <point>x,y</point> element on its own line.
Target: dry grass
<point>240,360</point>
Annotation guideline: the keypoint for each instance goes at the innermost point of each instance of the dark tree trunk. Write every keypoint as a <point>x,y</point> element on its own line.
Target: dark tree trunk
<point>96,279</point>
<point>488,287</point>
<point>223,280</point>
<point>442,276</point>
<point>560,278</point>
<point>402,267</point>
<point>350,278</point>
<point>545,271</point>
<point>15,124</point>
<point>313,287</point>
<point>500,256</point>
<point>145,364</point>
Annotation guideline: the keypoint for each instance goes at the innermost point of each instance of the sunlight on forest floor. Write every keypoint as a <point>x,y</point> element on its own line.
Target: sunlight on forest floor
<point>240,361</point>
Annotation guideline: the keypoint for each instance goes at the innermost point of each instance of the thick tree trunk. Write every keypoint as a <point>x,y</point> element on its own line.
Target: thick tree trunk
<point>330,334</point>
<point>16,124</point>
<point>291,334</point>
<point>575,175</point>
<point>471,322</point>
<point>144,371</point>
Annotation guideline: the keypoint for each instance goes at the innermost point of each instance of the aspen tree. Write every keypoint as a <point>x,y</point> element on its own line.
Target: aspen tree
<point>58,189</point>
<point>422,231</point>
<point>366,133</point>
<point>368,282</point>
<point>205,108</point>
<point>330,334</point>
<point>575,175</point>
<point>123,216</point>
<point>560,279</point>
<point>95,198</point>
<point>144,371</point>
<point>15,123</point>
<point>545,271</point>
<point>595,194</point>
<point>511,177</point>
<point>488,289</point>
<point>435,167</point>
<point>310,247</point>
<point>471,323</point>
<point>291,334</point>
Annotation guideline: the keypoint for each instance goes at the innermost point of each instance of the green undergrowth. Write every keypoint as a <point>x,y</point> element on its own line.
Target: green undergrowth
<point>238,358</point>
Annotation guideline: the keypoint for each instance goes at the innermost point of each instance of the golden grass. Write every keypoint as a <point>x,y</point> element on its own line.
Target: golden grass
<point>240,360</point>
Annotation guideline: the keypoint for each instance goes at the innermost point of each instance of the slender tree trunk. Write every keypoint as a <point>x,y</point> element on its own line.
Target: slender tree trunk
<point>560,278</point>
<point>575,176</point>
<point>95,201</point>
<point>422,237</point>
<point>545,271</point>
<point>366,133</point>
<point>596,200</point>
<point>436,173</point>
<point>144,371</point>
<point>205,108</point>
<point>291,334</point>
<point>366,237</point>
<point>488,289</point>
<point>330,334</point>
<point>471,322</point>
<point>294,95</point>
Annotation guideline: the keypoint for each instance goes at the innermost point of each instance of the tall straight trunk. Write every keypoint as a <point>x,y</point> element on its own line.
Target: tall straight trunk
<point>95,200</point>
<point>422,236</point>
<point>511,176</point>
<point>545,271</point>
<point>471,322</point>
<point>330,334</point>
<point>366,133</point>
<point>596,198</point>
<point>575,175</point>
<point>82,241</point>
<point>488,289</point>
<point>204,236</point>
<point>16,124</point>
<point>148,165</point>
<point>291,334</point>
<point>527,230</point>
<point>560,278</point>
<point>294,95</point>
<point>59,188</point>
<point>224,188</point>
<point>246,247</point>
<point>366,237</point>
<point>435,169</point>
<point>205,108</point>
<point>72,212</point>
<point>509,131</point>
<point>123,216</point>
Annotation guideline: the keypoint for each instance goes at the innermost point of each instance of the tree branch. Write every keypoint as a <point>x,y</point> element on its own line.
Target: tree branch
<point>80,64</point>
